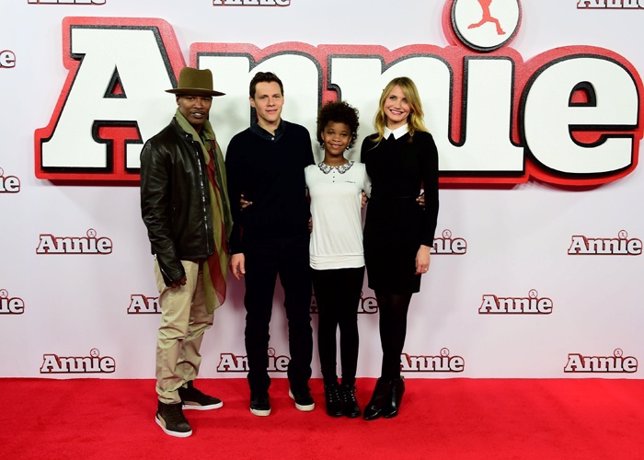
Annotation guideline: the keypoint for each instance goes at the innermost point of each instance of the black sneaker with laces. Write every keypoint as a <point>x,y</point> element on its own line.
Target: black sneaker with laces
<point>193,399</point>
<point>260,405</point>
<point>303,399</point>
<point>333,400</point>
<point>171,420</point>
<point>349,402</point>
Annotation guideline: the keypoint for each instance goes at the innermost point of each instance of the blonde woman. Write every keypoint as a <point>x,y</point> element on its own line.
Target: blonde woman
<point>402,161</point>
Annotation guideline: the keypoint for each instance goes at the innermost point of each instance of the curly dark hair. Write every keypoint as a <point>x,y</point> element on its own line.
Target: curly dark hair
<point>338,112</point>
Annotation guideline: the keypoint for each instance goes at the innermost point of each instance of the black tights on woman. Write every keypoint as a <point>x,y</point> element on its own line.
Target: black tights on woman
<point>393,330</point>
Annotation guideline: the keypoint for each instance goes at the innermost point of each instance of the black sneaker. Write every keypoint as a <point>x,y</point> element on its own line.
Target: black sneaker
<point>171,420</point>
<point>303,399</point>
<point>349,402</point>
<point>260,405</point>
<point>194,399</point>
<point>333,400</point>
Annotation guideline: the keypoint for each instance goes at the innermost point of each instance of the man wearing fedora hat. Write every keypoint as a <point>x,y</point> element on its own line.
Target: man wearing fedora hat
<point>265,165</point>
<point>185,207</point>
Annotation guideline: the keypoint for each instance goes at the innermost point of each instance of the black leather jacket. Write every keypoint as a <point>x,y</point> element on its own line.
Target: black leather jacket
<point>175,200</point>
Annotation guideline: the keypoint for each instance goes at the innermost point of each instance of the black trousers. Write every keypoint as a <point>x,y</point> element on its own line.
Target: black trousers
<point>338,295</point>
<point>288,258</point>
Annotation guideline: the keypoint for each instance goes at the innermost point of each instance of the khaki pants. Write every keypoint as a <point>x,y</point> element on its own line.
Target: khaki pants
<point>184,319</point>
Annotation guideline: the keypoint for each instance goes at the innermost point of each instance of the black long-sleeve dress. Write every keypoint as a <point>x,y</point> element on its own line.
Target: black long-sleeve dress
<point>396,225</point>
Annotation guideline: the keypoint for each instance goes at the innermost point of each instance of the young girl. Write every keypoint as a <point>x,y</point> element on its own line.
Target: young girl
<point>336,254</point>
<point>401,159</point>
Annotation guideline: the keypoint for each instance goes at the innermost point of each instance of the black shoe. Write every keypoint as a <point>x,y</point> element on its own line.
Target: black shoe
<point>381,394</point>
<point>192,398</point>
<point>260,405</point>
<point>303,399</point>
<point>350,406</point>
<point>392,407</point>
<point>171,420</point>
<point>333,399</point>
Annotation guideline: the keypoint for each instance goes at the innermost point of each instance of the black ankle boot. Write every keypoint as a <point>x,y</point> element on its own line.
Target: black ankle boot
<point>333,400</point>
<point>380,397</point>
<point>392,405</point>
<point>350,406</point>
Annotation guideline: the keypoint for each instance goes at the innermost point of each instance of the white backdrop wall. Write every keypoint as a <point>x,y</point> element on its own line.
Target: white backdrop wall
<point>510,292</point>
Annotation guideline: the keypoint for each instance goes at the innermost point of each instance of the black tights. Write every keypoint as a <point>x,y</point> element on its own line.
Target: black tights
<point>393,329</point>
<point>338,295</point>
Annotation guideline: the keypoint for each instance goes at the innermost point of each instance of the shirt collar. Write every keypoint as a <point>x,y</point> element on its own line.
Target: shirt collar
<point>261,132</point>
<point>398,132</point>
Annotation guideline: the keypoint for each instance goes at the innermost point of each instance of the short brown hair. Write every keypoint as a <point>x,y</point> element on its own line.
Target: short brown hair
<point>264,77</point>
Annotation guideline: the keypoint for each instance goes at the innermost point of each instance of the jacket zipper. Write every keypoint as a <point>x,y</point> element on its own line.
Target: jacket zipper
<point>201,167</point>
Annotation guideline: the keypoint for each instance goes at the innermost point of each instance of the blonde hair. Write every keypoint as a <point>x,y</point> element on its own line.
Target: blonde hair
<point>416,114</point>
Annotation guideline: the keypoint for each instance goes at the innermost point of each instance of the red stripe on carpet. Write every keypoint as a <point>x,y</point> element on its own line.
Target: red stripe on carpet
<point>440,418</point>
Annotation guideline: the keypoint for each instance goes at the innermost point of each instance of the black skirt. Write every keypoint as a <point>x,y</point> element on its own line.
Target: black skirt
<point>391,242</point>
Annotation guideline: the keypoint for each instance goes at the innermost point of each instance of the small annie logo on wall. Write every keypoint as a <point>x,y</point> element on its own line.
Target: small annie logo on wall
<point>582,245</point>
<point>67,2</point>
<point>230,362</point>
<point>617,364</point>
<point>143,305</point>
<point>530,305</point>
<point>610,4</point>
<point>368,305</point>
<point>10,305</point>
<point>442,363</point>
<point>7,59</point>
<point>8,183</point>
<point>49,244</point>
<point>448,244</point>
<point>93,363</point>
<point>251,2</point>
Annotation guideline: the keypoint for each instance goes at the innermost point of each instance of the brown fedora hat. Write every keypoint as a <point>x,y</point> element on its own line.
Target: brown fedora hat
<point>195,82</point>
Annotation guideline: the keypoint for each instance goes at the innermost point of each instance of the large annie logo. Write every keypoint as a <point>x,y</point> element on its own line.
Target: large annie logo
<point>569,116</point>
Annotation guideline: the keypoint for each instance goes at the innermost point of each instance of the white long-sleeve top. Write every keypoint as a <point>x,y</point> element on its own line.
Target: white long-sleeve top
<point>336,239</point>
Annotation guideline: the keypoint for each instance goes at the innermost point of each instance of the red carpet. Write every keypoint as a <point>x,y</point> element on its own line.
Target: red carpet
<point>443,419</point>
